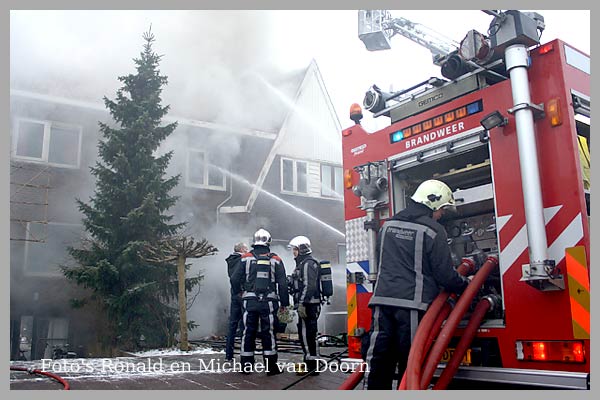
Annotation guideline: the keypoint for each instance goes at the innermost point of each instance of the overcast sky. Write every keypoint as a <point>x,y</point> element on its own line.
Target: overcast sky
<point>81,53</point>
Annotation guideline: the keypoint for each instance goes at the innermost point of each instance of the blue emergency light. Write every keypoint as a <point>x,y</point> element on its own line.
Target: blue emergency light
<point>396,136</point>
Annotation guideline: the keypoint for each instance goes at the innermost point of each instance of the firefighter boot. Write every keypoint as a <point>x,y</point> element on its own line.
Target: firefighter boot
<point>271,365</point>
<point>247,364</point>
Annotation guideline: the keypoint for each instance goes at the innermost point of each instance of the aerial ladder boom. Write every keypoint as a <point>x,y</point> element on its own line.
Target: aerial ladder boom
<point>474,54</point>
<point>377,27</point>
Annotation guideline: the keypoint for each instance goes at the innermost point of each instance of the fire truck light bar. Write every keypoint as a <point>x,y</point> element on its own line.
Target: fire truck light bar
<point>438,120</point>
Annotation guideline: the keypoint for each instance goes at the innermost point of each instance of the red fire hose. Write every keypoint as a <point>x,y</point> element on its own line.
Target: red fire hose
<point>437,325</point>
<point>417,348</point>
<point>477,316</point>
<point>354,378</point>
<point>45,373</point>
<point>433,332</point>
<point>428,329</point>
<point>452,322</point>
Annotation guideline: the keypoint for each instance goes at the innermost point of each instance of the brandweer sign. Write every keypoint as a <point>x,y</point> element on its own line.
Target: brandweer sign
<point>434,135</point>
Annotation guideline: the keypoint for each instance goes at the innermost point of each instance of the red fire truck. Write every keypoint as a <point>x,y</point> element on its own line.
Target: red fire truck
<point>508,130</point>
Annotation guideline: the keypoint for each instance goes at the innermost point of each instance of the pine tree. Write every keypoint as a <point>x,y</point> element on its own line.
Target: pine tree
<point>128,212</point>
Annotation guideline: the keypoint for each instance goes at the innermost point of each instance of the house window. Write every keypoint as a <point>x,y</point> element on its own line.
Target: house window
<point>294,176</point>
<point>332,181</point>
<point>46,246</point>
<point>202,173</point>
<point>48,142</point>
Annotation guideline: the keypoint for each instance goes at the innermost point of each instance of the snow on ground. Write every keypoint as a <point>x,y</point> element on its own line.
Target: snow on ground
<point>176,352</point>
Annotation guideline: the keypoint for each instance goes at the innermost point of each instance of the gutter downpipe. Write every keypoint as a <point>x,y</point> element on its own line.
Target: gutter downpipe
<point>226,199</point>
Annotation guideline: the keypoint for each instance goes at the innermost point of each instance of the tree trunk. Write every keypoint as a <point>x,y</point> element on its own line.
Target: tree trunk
<point>183,332</point>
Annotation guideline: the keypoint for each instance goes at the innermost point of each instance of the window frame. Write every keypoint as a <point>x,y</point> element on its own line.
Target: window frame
<point>335,195</point>
<point>294,176</point>
<point>45,142</point>
<point>205,176</point>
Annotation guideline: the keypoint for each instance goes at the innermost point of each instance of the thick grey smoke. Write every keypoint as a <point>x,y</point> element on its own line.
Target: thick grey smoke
<point>210,69</point>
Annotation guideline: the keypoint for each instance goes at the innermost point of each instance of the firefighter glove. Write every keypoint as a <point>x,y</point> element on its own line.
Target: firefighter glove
<point>302,311</point>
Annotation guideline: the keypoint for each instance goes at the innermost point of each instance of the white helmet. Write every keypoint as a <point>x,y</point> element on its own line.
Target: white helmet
<point>302,243</point>
<point>262,237</point>
<point>434,194</point>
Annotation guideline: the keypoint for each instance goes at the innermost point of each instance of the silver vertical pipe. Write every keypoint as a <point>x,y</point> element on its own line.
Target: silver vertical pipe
<point>517,64</point>
<point>372,237</point>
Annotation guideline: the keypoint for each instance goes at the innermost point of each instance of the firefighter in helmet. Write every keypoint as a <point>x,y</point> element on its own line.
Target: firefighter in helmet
<point>307,298</point>
<point>263,284</point>
<point>414,263</point>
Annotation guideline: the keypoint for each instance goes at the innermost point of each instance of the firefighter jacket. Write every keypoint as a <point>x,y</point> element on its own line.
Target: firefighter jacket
<point>234,261</point>
<point>306,281</point>
<point>244,279</point>
<point>414,261</point>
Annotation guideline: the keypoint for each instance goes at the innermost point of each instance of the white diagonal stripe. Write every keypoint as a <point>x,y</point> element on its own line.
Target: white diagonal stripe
<point>355,267</point>
<point>513,250</point>
<point>519,242</point>
<point>568,238</point>
<point>550,212</point>
<point>501,221</point>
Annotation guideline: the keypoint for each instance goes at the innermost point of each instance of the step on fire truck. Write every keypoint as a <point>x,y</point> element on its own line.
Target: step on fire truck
<point>508,129</point>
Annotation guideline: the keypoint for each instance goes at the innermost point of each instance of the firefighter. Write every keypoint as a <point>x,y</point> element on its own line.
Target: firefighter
<point>414,262</point>
<point>263,284</point>
<point>307,298</point>
<point>235,310</point>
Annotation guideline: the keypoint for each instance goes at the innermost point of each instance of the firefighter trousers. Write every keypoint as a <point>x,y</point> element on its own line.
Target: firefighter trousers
<point>392,331</point>
<point>235,317</point>
<point>307,333</point>
<point>259,314</point>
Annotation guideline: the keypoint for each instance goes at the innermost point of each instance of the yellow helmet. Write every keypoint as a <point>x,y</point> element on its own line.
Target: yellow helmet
<point>434,194</point>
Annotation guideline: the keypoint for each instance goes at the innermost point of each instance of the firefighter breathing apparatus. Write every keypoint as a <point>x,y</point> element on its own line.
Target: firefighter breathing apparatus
<point>303,245</point>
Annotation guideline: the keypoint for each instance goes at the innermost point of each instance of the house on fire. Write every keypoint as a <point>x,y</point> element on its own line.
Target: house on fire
<point>284,175</point>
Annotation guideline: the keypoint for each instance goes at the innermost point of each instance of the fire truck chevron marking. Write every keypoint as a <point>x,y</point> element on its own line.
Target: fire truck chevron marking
<point>501,221</point>
<point>570,236</point>
<point>352,307</point>
<point>519,242</point>
<point>577,270</point>
<point>579,291</point>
